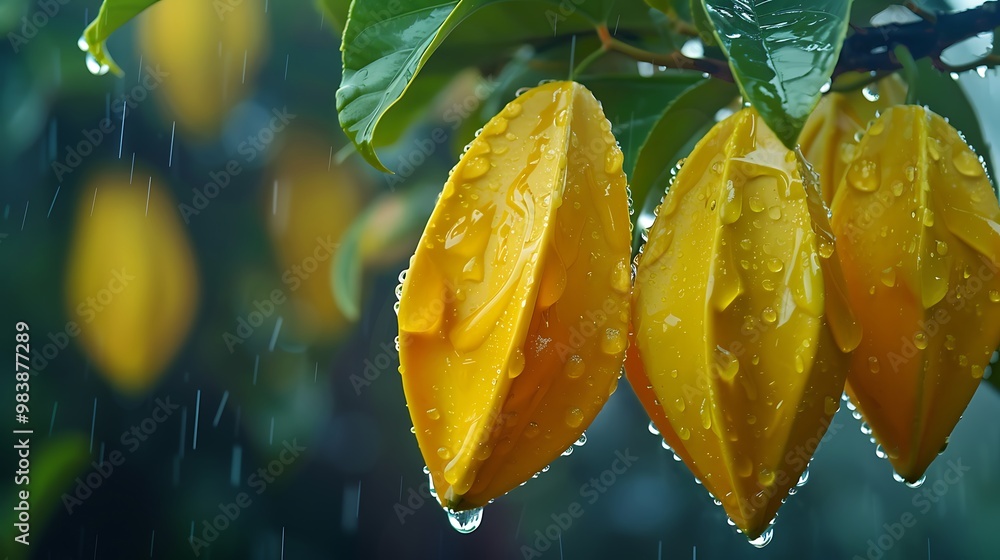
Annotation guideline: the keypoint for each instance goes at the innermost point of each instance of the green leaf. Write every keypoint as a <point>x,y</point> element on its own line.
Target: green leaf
<point>781,53</point>
<point>679,127</point>
<point>387,43</point>
<point>56,461</point>
<point>335,11</point>
<point>703,23</point>
<point>946,97</point>
<point>113,14</point>
<point>635,104</point>
<point>386,232</point>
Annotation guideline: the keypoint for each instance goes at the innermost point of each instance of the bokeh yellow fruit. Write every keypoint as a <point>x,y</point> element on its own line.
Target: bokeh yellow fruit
<point>131,283</point>
<point>828,138</point>
<point>209,53</point>
<point>740,331</point>
<point>918,233</point>
<point>306,217</point>
<point>513,314</point>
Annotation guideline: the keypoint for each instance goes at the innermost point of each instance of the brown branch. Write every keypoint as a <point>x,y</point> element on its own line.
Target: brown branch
<point>868,49</point>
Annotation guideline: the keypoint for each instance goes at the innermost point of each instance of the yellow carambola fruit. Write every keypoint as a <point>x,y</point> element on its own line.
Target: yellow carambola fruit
<point>513,314</point>
<point>740,324</point>
<point>306,213</point>
<point>918,233</point>
<point>202,57</point>
<point>828,138</point>
<point>131,283</point>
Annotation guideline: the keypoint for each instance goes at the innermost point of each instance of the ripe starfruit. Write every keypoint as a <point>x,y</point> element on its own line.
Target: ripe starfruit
<point>829,137</point>
<point>131,283</point>
<point>513,315</point>
<point>210,67</point>
<point>918,234</point>
<point>740,325</point>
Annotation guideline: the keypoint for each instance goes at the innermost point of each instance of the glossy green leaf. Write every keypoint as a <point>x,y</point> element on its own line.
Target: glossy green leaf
<point>781,53</point>
<point>387,43</point>
<point>335,11</point>
<point>113,14</point>
<point>674,134</point>
<point>706,30</point>
<point>946,97</point>
<point>635,104</point>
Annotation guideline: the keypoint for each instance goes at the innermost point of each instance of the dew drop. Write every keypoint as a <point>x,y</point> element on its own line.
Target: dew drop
<point>764,539</point>
<point>995,296</point>
<point>769,315</point>
<point>532,430</point>
<point>968,164</point>
<point>774,264</point>
<point>614,341</point>
<point>888,277</point>
<point>911,173</point>
<point>727,365</point>
<point>445,453</point>
<point>574,417</point>
<point>684,433</point>
<point>465,521</point>
<point>574,367</point>
<point>516,365</point>
<point>863,175</point>
<point>582,441</point>
<point>920,340</point>
<point>652,429</point>
<point>873,364</point>
<point>433,413</point>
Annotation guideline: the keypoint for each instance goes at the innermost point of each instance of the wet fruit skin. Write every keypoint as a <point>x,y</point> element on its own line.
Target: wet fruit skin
<point>514,311</point>
<point>918,233</point>
<point>828,138</point>
<point>740,326</point>
<point>131,282</point>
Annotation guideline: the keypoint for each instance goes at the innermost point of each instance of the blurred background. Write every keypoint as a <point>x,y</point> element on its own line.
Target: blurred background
<point>178,240</point>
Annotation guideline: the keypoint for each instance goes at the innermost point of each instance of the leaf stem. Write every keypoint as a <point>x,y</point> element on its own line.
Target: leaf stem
<point>910,72</point>
<point>590,58</point>
<point>674,59</point>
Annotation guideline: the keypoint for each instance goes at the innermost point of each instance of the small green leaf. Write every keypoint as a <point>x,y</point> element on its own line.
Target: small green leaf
<point>946,97</point>
<point>56,461</point>
<point>384,233</point>
<point>679,127</point>
<point>113,14</point>
<point>781,53</point>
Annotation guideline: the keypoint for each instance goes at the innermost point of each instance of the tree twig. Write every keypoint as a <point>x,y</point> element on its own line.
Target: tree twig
<point>868,49</point>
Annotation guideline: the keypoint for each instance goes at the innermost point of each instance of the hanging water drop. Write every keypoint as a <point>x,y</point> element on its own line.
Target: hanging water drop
<point>465,521</point>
